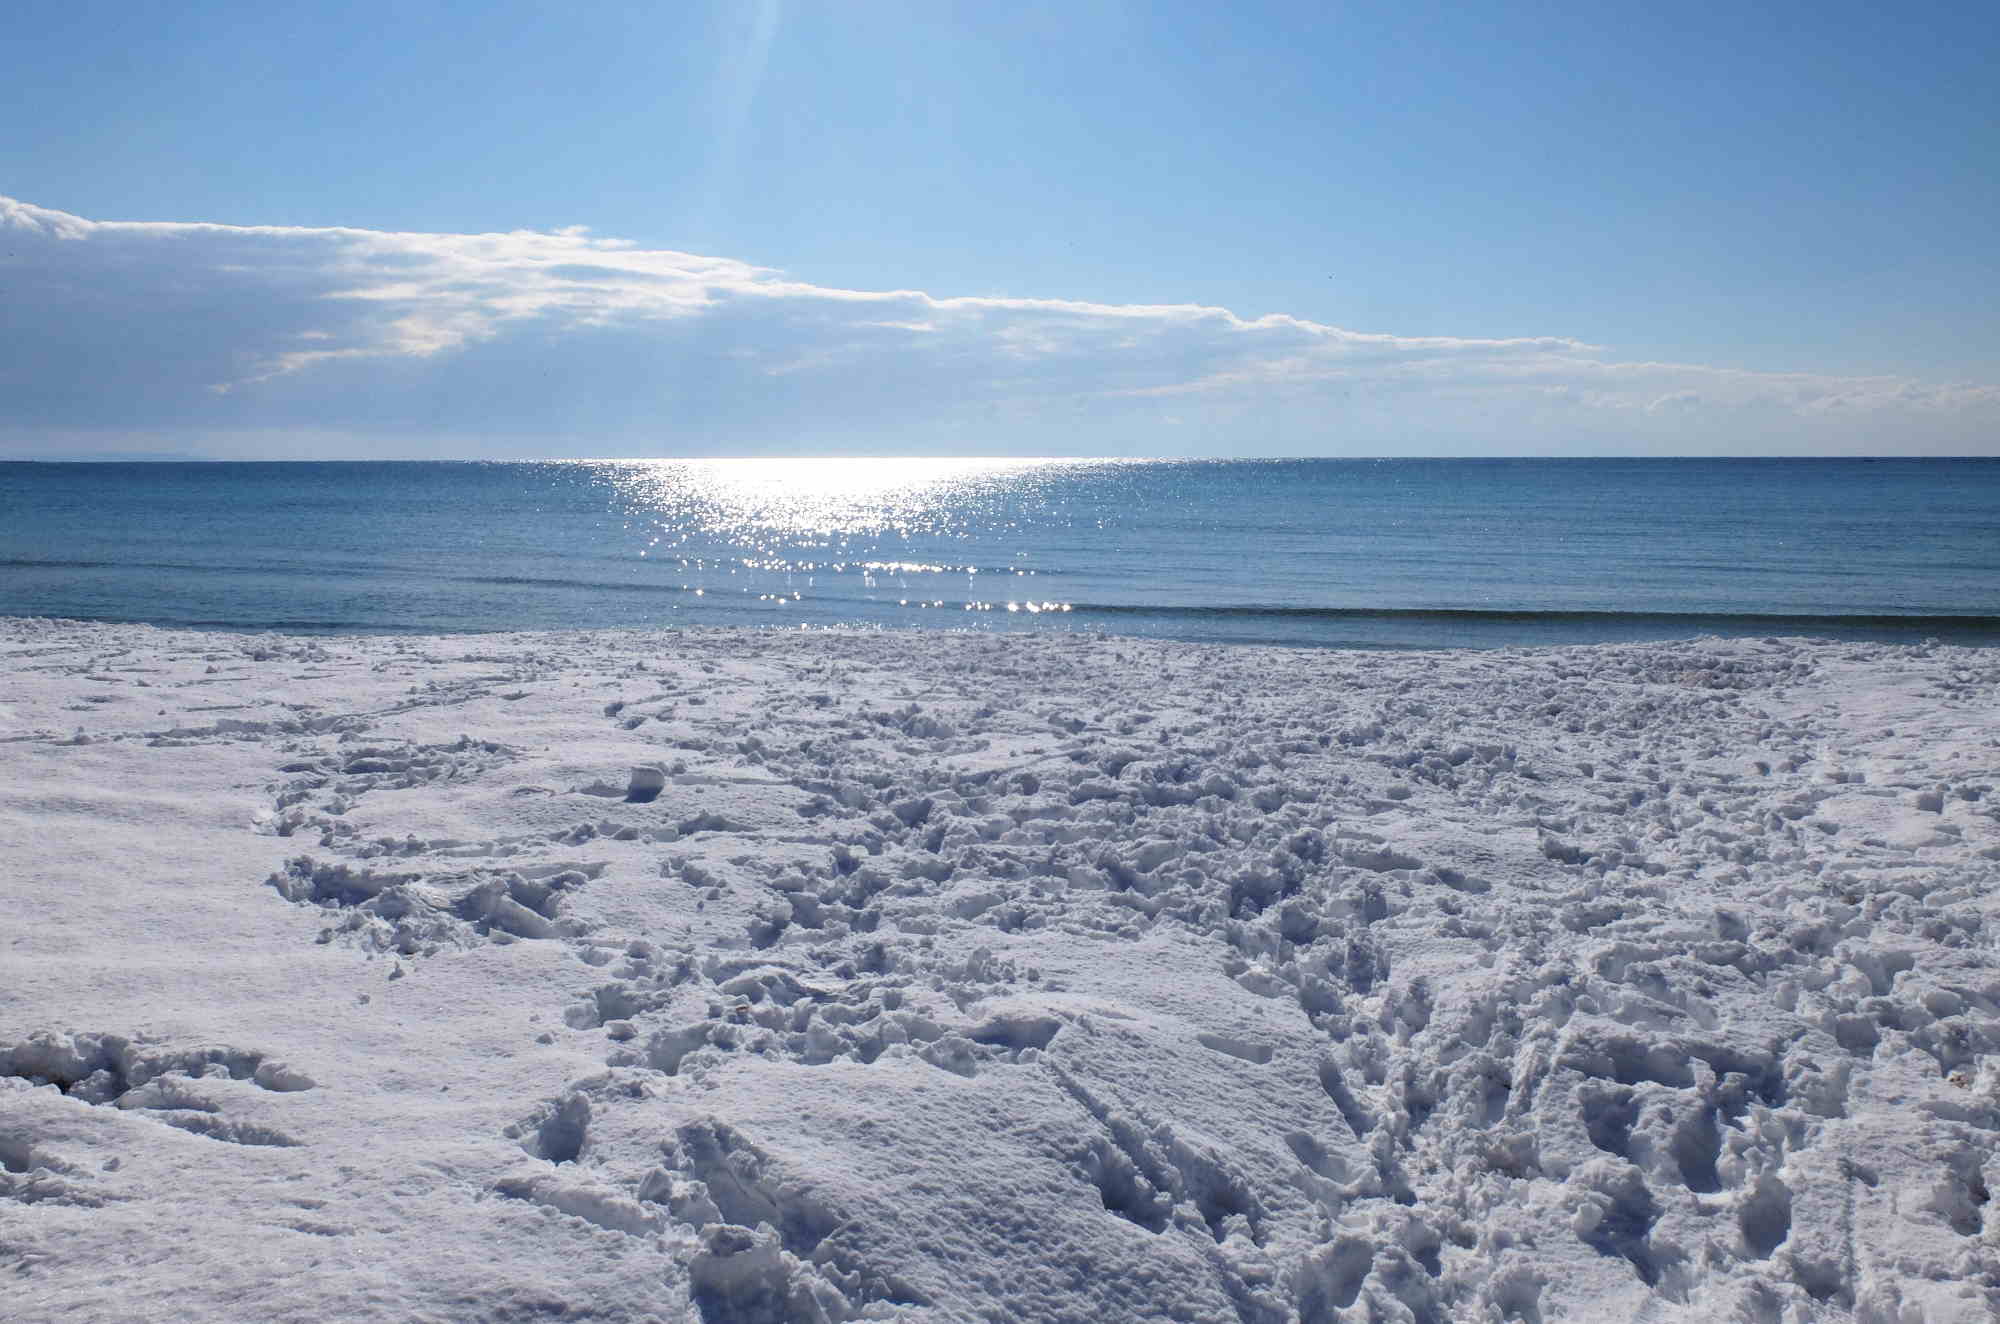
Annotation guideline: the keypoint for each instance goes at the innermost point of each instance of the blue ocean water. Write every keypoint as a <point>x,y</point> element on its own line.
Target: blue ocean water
<point>1368,553</point>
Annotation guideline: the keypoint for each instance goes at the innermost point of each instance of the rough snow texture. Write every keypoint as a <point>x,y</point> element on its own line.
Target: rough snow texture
<point>735,976</point>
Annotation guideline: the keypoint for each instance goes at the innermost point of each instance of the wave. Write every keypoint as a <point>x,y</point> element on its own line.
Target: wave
<point>834,565</point>
<point>336,570</point>
<point>255,626</point>
<point>1477,615</point>
<point>29,563</point>
<point>198,568</point>
<point>594,585</point>
<point>1293,627</point>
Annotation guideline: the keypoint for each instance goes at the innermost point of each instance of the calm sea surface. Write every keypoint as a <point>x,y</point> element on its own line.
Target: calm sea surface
<point>1387,553</point>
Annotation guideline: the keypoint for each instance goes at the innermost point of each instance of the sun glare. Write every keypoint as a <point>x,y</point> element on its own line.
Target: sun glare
<point>808,500</point>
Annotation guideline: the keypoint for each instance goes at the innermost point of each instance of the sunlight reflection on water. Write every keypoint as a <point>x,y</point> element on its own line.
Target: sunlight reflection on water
<point>818,499</point>
<point>881,524</point>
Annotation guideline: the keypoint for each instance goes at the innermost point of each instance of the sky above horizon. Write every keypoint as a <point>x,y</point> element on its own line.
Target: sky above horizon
<point>513,229</point>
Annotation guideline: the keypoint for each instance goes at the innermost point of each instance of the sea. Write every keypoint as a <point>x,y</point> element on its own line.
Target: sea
<point>1390,553</point>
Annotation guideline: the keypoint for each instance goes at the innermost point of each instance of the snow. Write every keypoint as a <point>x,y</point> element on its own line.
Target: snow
<point>739,976</point>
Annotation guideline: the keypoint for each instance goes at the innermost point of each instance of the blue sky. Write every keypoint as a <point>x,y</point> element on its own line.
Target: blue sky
<point>1531,228</point>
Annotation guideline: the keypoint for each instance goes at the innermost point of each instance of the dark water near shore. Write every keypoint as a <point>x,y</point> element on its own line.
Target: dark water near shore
<point>1385,553</point>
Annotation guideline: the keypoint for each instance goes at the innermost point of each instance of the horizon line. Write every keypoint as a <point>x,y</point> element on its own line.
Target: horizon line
<point>154,458</point>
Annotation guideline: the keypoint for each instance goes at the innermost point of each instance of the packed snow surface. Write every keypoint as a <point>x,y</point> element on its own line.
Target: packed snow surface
<point>756,976</point>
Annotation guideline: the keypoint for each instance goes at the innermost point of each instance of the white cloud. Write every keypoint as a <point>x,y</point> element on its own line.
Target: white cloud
<point>447,341</point>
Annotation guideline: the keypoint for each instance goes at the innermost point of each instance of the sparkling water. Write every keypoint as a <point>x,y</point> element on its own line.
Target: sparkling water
<point>1322,552</point>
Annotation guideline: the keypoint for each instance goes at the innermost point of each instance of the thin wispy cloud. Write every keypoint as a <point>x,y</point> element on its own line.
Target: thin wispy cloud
<point>443,339</point>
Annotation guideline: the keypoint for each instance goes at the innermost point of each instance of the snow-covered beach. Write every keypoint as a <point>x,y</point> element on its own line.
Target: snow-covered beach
<point>759,975</point>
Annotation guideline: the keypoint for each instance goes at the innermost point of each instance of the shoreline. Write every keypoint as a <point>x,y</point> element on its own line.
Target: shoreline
<point>1972,631</point>
<point>733,973</point>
